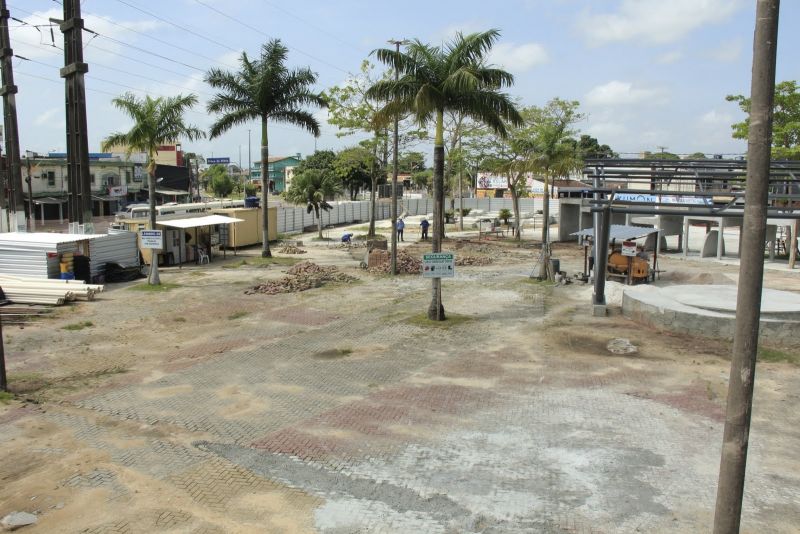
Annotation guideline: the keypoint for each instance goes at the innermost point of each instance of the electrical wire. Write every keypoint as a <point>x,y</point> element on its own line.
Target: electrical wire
<point>253,28</point>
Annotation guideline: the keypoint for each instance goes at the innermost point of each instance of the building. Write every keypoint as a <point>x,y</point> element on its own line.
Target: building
<point>171,154</point>
<point>280,169</point>
<point>114,183</point>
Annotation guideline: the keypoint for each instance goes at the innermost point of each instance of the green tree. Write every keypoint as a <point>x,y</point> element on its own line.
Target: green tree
<point>423,180</point>
<point>411,162</point>
<point>354,167</point>
<point>660,155</point>
<point>353,111</point>
<point>697,155</point>
<point>434,80</point>
<point>264,89</point>
<point>591,148</point>
<point>219,181</point>
<point>156,122</point>
<point>553,155</point>
<point>314,188</point>
<point>785,120</point>
<point>321,160</point>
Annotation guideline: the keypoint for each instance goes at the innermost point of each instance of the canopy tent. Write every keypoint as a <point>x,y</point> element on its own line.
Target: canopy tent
<point>195,222</point>
<point>620,232</point>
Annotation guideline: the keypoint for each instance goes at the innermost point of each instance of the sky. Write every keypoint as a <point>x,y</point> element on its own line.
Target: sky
<point>647,73</point>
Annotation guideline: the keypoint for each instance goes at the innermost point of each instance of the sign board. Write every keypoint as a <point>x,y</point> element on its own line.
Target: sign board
<point>629,248</point>
<point>438,265</point>
<point>218,161</point>
<point>117,190</point>
<point>151,239</point>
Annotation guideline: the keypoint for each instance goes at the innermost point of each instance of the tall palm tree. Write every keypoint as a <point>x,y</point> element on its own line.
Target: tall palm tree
<point>314,187</point>
<point>156,122</point>
<point>434,80</point>
<point>264,89</point>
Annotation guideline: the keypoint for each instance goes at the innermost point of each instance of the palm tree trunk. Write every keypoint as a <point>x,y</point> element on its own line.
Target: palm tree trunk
<point>319,222</point>
<point>374,186</point>
<point>515,207</point>
<point>152,278</point>
<point>265,252</point>
<point>436,309</point>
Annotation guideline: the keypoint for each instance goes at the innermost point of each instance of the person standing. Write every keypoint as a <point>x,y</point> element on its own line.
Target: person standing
<point>424,224</point>
<point>400,227</point>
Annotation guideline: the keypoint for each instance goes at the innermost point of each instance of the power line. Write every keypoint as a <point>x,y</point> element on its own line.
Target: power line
<point>184,28</point>
<point>318,28</point>
<point>246,25</point>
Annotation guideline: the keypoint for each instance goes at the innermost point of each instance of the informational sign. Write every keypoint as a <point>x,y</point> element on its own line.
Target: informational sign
<point>629,248</point>
<point>117,190</point>
<point>663,199</point>
<point>151,239</point>
<point>490,181</point>
<point>218,161</point>
<point>438,265</point>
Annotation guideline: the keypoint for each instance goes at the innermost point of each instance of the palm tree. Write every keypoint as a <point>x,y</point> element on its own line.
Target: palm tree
<point>313,187</point>
<point>450,78</point>
<point>264,89</point>
<point>156,122</point>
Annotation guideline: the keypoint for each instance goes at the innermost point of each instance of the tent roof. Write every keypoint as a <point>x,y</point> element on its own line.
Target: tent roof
<point>194,222</point>
<point>620,231</point>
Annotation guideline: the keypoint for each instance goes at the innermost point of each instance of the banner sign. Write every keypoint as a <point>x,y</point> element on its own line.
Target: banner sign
<point>218,161</point>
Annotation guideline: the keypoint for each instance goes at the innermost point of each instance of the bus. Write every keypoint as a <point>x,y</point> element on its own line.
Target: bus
<point>171,209</point>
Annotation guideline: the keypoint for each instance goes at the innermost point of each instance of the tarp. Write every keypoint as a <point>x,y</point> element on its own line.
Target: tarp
<point>620,232</point>
<point>194,222</point>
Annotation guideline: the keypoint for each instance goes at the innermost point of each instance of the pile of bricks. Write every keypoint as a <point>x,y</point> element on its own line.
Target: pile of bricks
<point>302,277</point>
<point>381,262</point>
<point>291,249</point>
<point>472,260</point>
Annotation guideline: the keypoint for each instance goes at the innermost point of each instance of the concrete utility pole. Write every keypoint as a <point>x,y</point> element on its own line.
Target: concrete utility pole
<point>460,188</point>
<point>733,462</point>
<point>394,173</point>
<point>80,186</point>
<point>8,91</point>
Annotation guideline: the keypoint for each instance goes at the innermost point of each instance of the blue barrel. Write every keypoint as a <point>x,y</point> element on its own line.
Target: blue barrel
<point>68,276</point>
<point>252,202</point>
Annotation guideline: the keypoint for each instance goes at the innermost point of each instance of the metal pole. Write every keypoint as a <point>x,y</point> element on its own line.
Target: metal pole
<point>9,91</point>
<point>601,256</point>
<point>249,160</point>
<point>733,461</point>
<point>31,213</point>
<point>460,188</point>
<point>394,175</point>
<point>3,379</point>
<point>77,142</point>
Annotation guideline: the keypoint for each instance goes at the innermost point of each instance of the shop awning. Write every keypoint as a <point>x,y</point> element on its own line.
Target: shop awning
<point>195,222</point>
<point>620,232</point>
<point>49,200</point>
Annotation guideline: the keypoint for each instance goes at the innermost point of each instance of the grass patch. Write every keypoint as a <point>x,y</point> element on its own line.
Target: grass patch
<point>153,289</point>
<point>180,319</point>
<point>451,319</point>
<point>261,262</point>
<point>6,397</point>
<point>333,354</point>
<point>778,356</point>
<point>78,326</point>
<point>238,315</point>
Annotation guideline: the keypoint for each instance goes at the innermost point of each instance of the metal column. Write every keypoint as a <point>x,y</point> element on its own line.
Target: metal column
<point>13,176</point>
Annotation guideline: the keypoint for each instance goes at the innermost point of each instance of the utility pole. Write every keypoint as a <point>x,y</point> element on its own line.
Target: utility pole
<point>249,161</point>
<point>730,488</point>
<point>397,44</point>
<point>80,186</point>
<point>9,90</point>
<point>31,212</point>
<point>460,187</point>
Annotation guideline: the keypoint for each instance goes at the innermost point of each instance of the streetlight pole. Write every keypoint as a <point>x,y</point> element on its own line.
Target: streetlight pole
<point>249,162</point>
<point>397,44</point>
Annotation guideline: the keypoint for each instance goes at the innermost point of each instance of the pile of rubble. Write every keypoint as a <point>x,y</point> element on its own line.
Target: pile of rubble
<point>291,249</point>
<point>302,277</point>
<point>472,260</point>
<point>380,262</point>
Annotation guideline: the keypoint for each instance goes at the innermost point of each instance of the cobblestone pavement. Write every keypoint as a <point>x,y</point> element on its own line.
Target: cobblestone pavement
<point>340,411</point>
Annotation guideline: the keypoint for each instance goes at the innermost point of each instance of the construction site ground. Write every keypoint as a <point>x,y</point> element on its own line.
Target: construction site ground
<point>342,409</point>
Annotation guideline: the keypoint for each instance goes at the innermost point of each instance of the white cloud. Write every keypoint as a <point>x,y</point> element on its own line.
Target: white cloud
<point>715,118</point>
<point>518,58</point>
<point>46,116</point>
<point>654,21</point>
<point>728,51</point>
<point>668,58</point>
<point>616,93</point>
<point>449,32</point>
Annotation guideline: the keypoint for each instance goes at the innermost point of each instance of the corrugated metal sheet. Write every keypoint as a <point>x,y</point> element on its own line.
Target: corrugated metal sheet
<point>118,246</point>
<point>20,257</point>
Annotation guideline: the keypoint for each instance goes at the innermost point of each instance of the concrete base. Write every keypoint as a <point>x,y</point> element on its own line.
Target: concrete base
<point>599,310</point>
<point>710,310</point>
<point>711,243</point>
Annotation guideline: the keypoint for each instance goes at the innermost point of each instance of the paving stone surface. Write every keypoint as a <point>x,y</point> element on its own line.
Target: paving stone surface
<point>337,414</point>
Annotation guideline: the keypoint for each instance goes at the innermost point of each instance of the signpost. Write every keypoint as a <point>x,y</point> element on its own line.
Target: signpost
<point>218,161</point>
<point>438,265</point>
<point>151,239</point>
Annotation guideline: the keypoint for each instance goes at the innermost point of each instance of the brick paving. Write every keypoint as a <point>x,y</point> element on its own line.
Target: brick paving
<point>335,413</point>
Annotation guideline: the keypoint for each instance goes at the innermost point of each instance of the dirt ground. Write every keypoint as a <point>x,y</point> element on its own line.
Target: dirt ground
<point>342,409</point>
